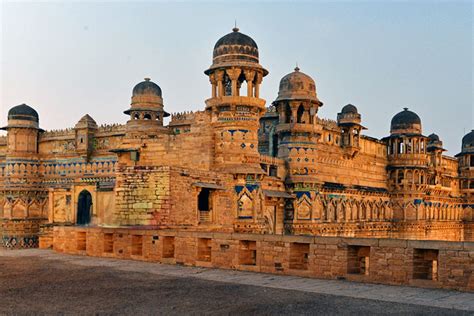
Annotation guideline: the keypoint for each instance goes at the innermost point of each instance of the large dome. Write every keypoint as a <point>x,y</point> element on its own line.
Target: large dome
<point>468,140</point>
<point>23,112</point>
<point>297,86</point>
<point>406,122</point>
<point>147,87</point>
<point>235,46</point>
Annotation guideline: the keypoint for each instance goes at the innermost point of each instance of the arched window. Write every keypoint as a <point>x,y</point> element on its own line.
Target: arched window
<point>287,113</point>
<point>84,208</point>
<point>147,116</point>
<point>299,114</point>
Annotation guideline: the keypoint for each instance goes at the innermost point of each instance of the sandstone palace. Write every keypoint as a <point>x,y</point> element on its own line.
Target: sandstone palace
<point>237,166</point>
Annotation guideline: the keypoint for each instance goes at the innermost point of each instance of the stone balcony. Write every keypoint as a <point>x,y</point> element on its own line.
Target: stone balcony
<point>298,127</point>
<point>236,101</point>
<point>418,160</point>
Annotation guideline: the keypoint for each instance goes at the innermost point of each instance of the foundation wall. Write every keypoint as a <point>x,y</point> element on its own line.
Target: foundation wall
<point>389,261</point>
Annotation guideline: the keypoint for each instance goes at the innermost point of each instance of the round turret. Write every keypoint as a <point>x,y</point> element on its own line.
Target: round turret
<point>348,116</point>
<point>147,101</point>
<point>434,143</point>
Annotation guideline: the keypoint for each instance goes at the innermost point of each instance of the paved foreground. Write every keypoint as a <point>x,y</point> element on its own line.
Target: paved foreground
<point>41,281</point>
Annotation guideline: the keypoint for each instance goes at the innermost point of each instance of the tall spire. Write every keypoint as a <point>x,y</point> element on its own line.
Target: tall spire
<point>235,29</point>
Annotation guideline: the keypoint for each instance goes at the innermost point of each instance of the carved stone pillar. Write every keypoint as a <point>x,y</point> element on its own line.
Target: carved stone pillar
<point>258,81</point>
<point>220,82</point>
<point>249,76</point>
<point>234,74</point>
<point>212,79</point>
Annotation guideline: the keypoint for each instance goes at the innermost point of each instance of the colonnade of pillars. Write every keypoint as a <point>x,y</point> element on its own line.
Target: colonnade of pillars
<point>408,178</point>
<point>297,112</point>
<point>222,78</point>
<point>407,145</point>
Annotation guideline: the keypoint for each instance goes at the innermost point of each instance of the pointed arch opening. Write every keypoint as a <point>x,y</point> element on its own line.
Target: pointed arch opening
<point>84,208</point>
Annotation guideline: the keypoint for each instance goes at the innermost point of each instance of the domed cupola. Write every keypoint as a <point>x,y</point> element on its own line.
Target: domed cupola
<point>468,142</point>
<point>147,103</point>
<point>348,115</point>
<point>22,116</point>
<point>23,112</point>
<point>349,108</point>
<point>298,86</point>
<point>235,49</point>
<point>434,143</point>
<point>406,122</point>
<point>146,87</point>
<point>349,121</point>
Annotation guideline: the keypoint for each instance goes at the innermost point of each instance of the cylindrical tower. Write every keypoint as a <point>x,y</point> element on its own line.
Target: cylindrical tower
<point>23,127</point>
<point>466,167</point>
<point>297,105</point>
<point>22,192</point>
<point>146,110</point>
<point>349,121</point>
<point>235,104</point>
<point>408,162</point>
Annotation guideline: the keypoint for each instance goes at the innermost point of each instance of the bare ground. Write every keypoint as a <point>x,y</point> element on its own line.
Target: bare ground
<point>34,285</point>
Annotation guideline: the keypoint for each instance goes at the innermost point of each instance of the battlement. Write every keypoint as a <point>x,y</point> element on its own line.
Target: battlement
<point>182,116</point>
<point>327,123</point>
<point>111,127</point>
<point>58,132</point>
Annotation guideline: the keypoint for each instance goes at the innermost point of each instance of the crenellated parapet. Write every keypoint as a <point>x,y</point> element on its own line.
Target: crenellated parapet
<point>328,124</point>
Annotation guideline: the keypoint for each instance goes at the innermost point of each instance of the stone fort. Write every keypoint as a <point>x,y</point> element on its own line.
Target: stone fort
<point>238,167</point>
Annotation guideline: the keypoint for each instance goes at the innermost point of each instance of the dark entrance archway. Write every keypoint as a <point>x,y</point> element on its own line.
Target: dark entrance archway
<point>84,204</point>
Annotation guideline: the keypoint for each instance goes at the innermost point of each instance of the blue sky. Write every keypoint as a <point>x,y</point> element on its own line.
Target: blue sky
<point>67,59</point>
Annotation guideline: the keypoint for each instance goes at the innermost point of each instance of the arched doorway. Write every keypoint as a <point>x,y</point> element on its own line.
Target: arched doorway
<point>84,205</point>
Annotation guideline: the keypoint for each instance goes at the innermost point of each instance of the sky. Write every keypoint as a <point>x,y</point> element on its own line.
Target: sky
<point>66,59</point>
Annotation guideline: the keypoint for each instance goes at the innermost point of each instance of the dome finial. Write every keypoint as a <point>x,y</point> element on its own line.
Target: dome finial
<point>235,29</point>
<point>147,79</point>
<point>405,109</point>
<point>297,68</point>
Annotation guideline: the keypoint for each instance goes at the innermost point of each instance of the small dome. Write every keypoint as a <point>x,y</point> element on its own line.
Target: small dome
<point>147,87</point>
<point>349,108</point>
<point>406,122</point>
<point>297,85</point>
<point>235,46</point>
<point>433,137</point>
<point>468,140</point>
<point>23,112</point>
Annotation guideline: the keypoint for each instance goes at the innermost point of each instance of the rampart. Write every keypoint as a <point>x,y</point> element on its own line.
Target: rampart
<point>437,264</point>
